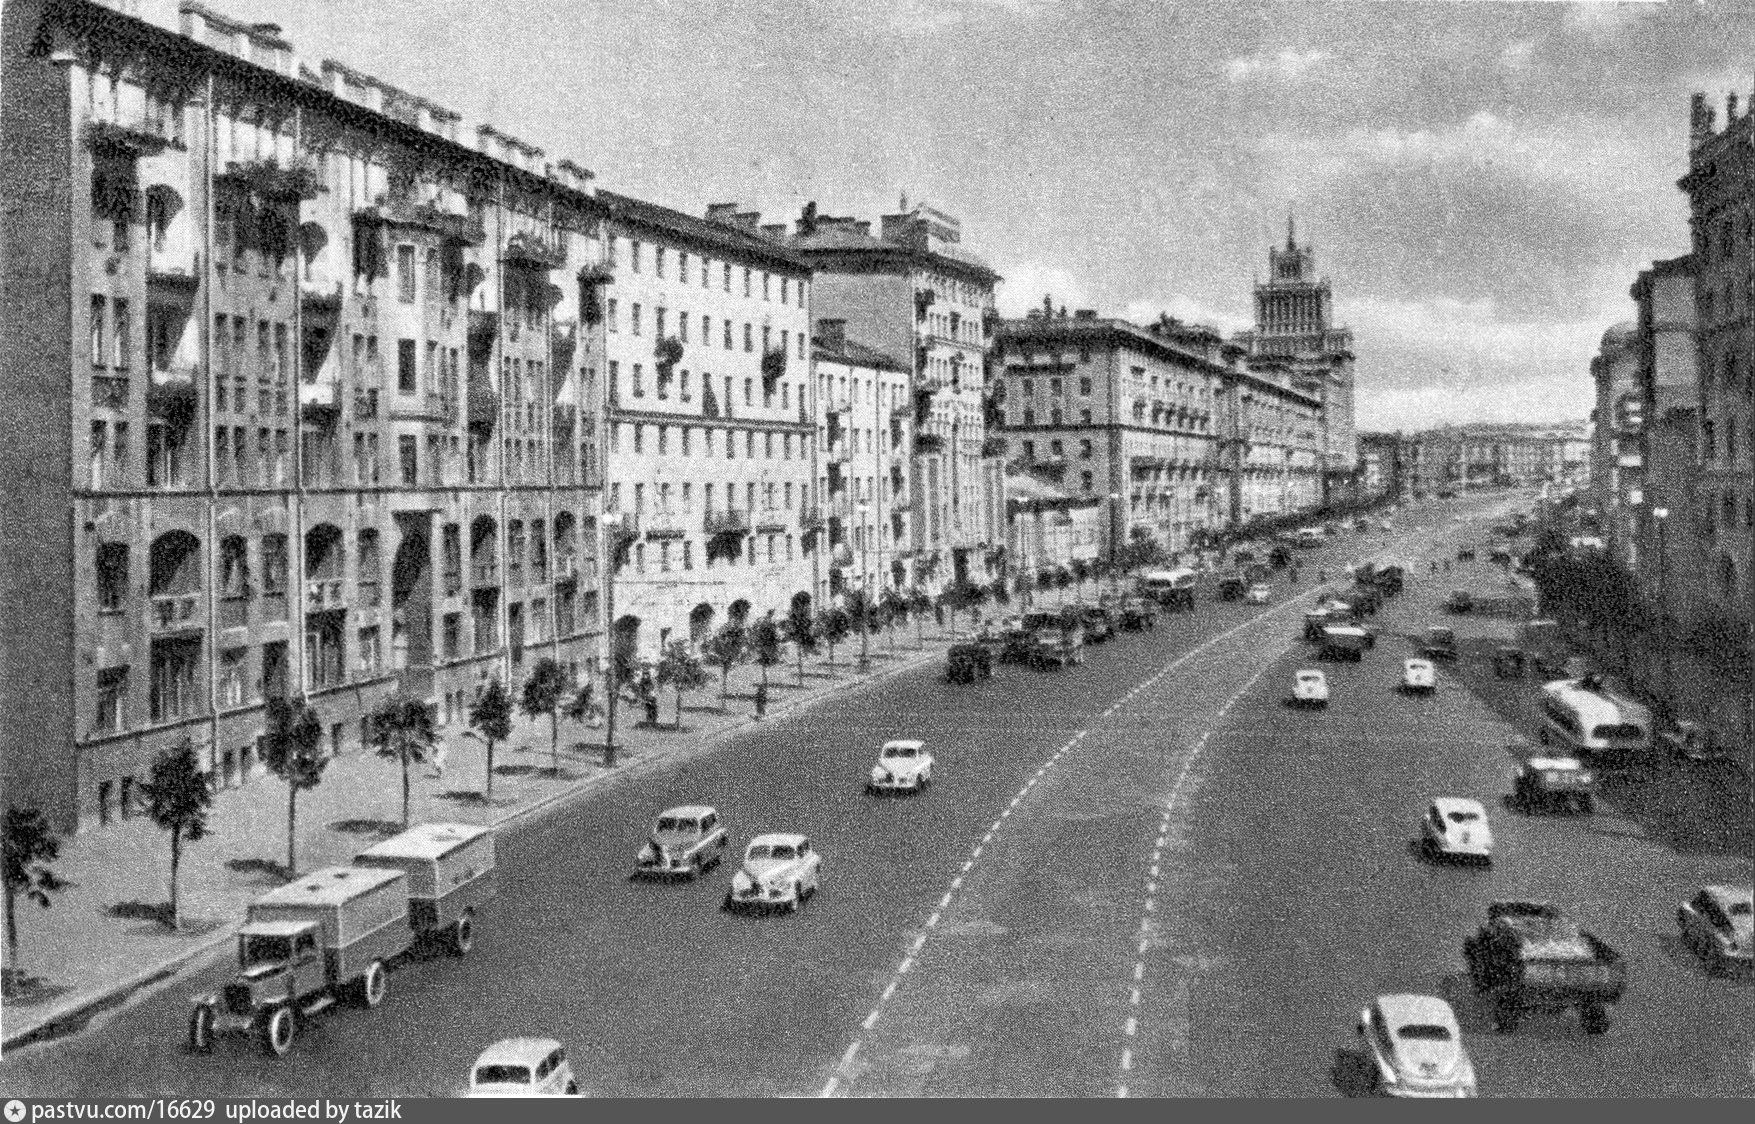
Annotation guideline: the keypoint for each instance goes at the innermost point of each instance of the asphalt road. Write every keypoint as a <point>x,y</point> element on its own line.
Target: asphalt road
<point>1141,875</point>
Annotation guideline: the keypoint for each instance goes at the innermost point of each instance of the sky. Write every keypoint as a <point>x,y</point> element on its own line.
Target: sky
<point>1482,179</point>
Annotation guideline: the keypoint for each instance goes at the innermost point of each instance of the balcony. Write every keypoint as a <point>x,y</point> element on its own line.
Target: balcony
<point>810,518</point>
<point>175,611</point>
<point>109,392</point>
<point>320,402</point>
<point>292,182</point>
<point>171,396</point>
<point>597,273</point>
<point>838,453</point>
<point>624,526</point>
<point>318,299</point>
<point>174,272</point>
<point>132,138</point>
<point>533,250</point>
<point>483,327</point>
<point>732,521</point>
<point>484,406</point>
<point>484,573</point>
<point>431,407</point>
<point>460,230</point>
<point>323,595</point>
<point>773,519</point>
<point>663,525</point>
<point>838,402</point>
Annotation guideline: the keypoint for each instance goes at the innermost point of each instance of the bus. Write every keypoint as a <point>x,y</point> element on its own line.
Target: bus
<point>1174,588</point>
<point>1580,715</point>
<point>1309,536</point>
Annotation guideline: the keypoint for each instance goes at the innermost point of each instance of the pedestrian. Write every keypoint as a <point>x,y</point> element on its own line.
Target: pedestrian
<point>651,700</point>
<point>439,761</point>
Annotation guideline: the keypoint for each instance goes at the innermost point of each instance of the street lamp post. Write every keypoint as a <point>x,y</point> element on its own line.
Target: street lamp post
<point>1661,516</point>
<point>612,522</point>
<point>1114,534</point>
<point>864,587</point>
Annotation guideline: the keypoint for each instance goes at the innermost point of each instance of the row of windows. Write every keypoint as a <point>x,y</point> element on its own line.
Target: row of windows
<point>661,388</point>
<point>681,500</point>
<point>662,259</point>
<point>685,444</point>
<point>666,556</point>
<point>661,324</point>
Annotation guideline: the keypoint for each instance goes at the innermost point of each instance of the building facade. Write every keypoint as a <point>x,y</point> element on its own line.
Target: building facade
<point>1296,338</point>
<point>864,432</point>
<point>1669,388</point>
<point>913,292</point>
<point>711,423</point>
<point>1617,442</point>
<point>1721,202</point>
<point>303,398</point>
<point>1051,530</point>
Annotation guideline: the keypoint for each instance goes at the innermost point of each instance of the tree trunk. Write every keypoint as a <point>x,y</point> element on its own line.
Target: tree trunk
<point>405,790</point>
<point>490,768</point>
<point>292,819</point>
<point>176,860</point>
<point>679,696</point>
<point>554,744</point>
<point>12,928</point>
<point>799,650</point>
<point>724,674</point>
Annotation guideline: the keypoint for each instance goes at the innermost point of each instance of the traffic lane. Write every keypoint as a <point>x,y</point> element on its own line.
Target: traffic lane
<point>1025,984</point>
<point>645,982</point>
<point>1362,915</point>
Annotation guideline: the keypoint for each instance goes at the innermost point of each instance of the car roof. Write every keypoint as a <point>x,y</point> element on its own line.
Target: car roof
<point>1555,763</point>
<point>1310,673</point>
<point>1725,895</point>
<point>1416,661</point>
<point>778,839</point>
<point>1402,1010</point>
<point>276,928</point>
<point>517,1051</point>
<point>426,841</point>
<point>1448,804</point>
<point>687,811</point>
<point>904,743</point>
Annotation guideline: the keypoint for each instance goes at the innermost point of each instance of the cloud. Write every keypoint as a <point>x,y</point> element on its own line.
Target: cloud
<point>929,17</point>
<point>1286,63</point>
<point>1517,55</point>
<point>1187,309</point>
<point>1025,285</point>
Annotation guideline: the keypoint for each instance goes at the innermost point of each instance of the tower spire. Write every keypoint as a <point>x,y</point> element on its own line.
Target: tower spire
<point>1291,234</point>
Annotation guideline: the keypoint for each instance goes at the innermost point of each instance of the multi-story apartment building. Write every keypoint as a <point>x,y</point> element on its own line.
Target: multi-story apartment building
<point>913,292</point>
<point>1295,335</point>
<point>865,423</point>
<point>1487,454</point>
<point>1271,436</point>
<point>711,429</point>
<point>1617,441</point>
<point>1382,460</point>
<point>301,398</point>
<point>1721,170</point>
<point>1119,413</point>
<point>1669,388</point>
<point>1051,529</point>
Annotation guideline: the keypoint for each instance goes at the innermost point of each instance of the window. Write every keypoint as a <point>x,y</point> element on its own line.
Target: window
<point>1085,448</point>
<point>610,316</point>
<point>746,280</point>
<point>406,378</point>
<point>112,700</point>
<point>405,274</point>
<point>728,344</point>
<point>408,456</point>
<point>124,335</point>
<point>112,577</point>
<point>749,339</point>
<point>682,265</point>
<point>634,319</point>
<point>1084,386</point>
<point>639,391</point>
<point>234,689</point>
<point>658,260</point>
<point>728,277</point>
<point>98,311</point>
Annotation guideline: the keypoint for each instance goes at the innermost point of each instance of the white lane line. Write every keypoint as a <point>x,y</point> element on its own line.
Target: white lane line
<point>975,854</point>
<point>1154,870</point>
<point>847,1058</point>
<point>829,1089</point>
<point>945,901</point>
<point>888,991</point>
<point>1145,946</point>
<point>1150,905</point>
<point>1132,1027</point>
<point>1139,970</point>
<point>1151,887</point>
<point>967,864</point>
<point>871,1019</point>
<point>932,922</point>
<point>919,942</point>
<point>1121,1092</point>
<point>1133,1000</point>
<point>1127,1059</point>
<point>906,966</point>
<point>956,884</point>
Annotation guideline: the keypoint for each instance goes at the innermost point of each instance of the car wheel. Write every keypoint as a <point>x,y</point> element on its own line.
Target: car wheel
<point>201,1029</point>
<point>1543,735</point>
<point>1595,1017</point>
<point>374,984</point>
<point>729,903</point>
<point>463,934</point>
<point>278,1030</point>
<point>1587,804</point>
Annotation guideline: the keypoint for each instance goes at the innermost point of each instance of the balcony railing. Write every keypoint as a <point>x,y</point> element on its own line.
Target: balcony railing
<point>424,407</point>
<point>527,248</point>
<point>135,137</point>
<point>174,269</point>
<point>664,525</point>
<point>461,230</point>
<point>175,610</point>
<point>773,519</point>
<point>732,521</point>
<point>623,526</point>
<point>323,594</point>
<point>484,573</point>
<point>320,402</point>
<point>294,181</point>
<point>318,299</point>
<point>109,391</point>
<point>810,517</point>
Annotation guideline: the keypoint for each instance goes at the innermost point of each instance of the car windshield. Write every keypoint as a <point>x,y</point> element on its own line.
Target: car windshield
<point>771,851</point>
<point>671,824</point>
<point>1309,677</point>
<point>1425,1032</point>
<point>1617,730</point>
<point>502,1075</point>
<point>259,949</point>
<point>1462,817</point>
<point>899,751</point>
<point>1740,909</point>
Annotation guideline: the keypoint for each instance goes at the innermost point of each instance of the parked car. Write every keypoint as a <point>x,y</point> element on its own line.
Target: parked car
<point>1230,587</point>
<point>780,870</point>
<point>1530,956</point>
<point>1419,676</point>
<point>1440,643</point>
<point>684,842</point>
<point>1138,613</point>
<point>523,1067</point>
<point>1552,780</point>
<point>1460,601</point>
<point>1344,642</point>
<point>1098,622</point>
<point>965,663</point>
<point>1415,1047</point>
<point>1718,923</point>
<point>903,765</point>
<point>1310,688</point>
<point>1456,828</point>
<point>1259,594</point>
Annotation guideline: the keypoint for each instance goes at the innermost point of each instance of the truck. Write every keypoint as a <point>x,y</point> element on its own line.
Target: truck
<point>1174,589</point>
<point>332,935</point>
<point>1530,956</point>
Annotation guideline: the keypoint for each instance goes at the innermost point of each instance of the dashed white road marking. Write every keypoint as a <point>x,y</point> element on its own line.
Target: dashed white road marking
<point>1126,1060</point>
<point>870,1020</point>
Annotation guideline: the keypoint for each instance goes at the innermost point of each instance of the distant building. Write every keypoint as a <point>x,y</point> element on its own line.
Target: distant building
<point>1617,441</point>
<point>1494,454</point>
<point>1382,464</point>
<point>1050,529</point>
<point>864,479</point>
<point>1670,520</point>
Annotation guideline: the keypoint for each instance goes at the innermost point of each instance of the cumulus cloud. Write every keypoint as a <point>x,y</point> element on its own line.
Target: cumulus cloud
<point>1517,55</point>
<point>1286,63</point>
<point>1026,283</point>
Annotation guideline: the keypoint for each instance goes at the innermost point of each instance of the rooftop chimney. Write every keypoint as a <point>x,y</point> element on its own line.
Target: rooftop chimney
<point>832,335</point>
<point>1085,314</point>
<point>721,212</point>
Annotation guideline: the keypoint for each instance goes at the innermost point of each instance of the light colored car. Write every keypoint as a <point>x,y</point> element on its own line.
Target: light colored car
<point>1310,688</point>
<point>1455,827</point>
<point>1718,923</point>
<point>1419,676</point>
<point>523,1067</point>
<point>685,841</point>
<point>1416,1047</point>
<point>779,869</point>
<point>903,765</point>
<point>1259,594</point>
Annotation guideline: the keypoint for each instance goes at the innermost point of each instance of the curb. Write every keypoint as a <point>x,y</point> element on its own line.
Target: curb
<point>74,1016</point>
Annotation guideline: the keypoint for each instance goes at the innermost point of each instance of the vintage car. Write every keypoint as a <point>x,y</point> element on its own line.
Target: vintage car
<point>1440,643</point>
<point>1098,622</point>
<point>1530,956</point>
<point>1552,780</point>
<point>965,663</point>
<point>1259,594</point>
<point>1019,644</point>
<point>523,1067</point>
<point>684,842</point>
<point>1415,1046</point>
<point>1717,924</point>
<point>1309,688</point>
<point>1344,642</point>
<point>1419,676</point>
<point>1314,622</point>
<point>1460,601</point>
<point>779,870</point>
<point>1231,587</point>
<point>1455,827</point>
<point>903,765</point>
<point>1138,613</point>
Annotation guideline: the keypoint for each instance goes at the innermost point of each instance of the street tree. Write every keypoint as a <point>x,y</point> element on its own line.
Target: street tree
<point>801,633</point>
<point>543,694</point>
<point>178,798</point>
<point>402,727</point>
<point>680,669</point>
<point>723,650</point>
<point>832,625</point>
<point>491,717</point>
<point>1081,569</point>
<point>765,645</point>
<point>859,613</point>
<point>895,610</point>
<point>292,749</point>
<point>919,604</point>
<point>29,848</point>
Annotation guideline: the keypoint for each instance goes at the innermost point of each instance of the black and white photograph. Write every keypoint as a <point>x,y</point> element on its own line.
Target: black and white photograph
<point>874,549</point>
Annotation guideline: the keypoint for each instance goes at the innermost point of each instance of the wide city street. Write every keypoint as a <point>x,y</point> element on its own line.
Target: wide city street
<point>1143,876</point>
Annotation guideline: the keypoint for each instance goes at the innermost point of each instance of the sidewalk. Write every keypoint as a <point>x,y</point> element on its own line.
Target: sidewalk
<point>101,940</point>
